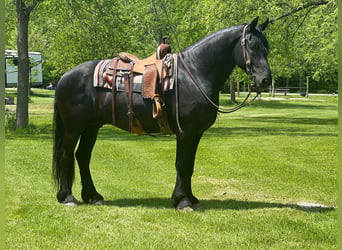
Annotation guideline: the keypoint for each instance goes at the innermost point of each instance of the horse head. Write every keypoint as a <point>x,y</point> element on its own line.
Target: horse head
<point>251,52</point>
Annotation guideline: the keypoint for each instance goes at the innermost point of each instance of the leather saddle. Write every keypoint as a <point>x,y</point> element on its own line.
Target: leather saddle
<point>154,71</point>
<point>139,64</point>
<point>156,58</point>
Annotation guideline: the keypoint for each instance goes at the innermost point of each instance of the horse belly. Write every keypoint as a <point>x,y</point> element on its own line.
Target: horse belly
<point>142,109</point>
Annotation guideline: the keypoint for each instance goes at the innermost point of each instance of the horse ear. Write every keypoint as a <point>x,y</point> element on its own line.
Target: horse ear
<point>254,23</point>
<point>264,25</point>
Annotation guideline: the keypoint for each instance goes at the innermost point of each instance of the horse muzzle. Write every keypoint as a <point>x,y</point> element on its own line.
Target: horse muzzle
<point>261,82</point>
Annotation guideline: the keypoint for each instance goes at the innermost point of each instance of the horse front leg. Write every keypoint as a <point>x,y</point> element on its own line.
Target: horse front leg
<point>182,197</point>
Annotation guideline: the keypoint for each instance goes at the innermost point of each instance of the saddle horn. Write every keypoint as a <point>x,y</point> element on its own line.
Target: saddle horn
<point>163,49</point>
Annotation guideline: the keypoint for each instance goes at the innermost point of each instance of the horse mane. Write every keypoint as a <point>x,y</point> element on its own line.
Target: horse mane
<point>213,35</point>
<point>218,33</point>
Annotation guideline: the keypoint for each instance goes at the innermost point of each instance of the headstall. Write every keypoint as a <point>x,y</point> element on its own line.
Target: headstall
<point>248,70</point>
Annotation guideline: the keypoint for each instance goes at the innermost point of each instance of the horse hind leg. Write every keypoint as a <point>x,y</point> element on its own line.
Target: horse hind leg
<point>83,155</point>
<point>65,168</point>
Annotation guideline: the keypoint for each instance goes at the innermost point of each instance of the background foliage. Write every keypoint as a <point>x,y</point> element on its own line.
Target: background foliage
<point>68,32</point>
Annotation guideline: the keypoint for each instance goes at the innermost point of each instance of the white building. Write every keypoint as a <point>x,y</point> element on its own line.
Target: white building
<point>11,68</point>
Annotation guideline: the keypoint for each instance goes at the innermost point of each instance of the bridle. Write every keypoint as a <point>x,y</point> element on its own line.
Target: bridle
<point>246,55</point>
<point>248,70</point>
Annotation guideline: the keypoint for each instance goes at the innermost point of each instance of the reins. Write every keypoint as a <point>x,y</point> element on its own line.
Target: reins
<point>219,109</point>
<point>195,82</point>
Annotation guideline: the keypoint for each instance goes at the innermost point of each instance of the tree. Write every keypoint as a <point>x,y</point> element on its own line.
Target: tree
<point>309,47</point>
<point>23,15</point>
<point>302,38</point>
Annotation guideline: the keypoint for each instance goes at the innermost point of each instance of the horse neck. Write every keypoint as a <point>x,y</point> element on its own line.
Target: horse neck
<point>211,59</point>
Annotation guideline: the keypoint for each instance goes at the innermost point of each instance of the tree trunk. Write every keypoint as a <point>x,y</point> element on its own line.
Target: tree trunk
<point>307,87</point>
<point>23,65</point>
<point>272,89</point>
<point>232,91</point>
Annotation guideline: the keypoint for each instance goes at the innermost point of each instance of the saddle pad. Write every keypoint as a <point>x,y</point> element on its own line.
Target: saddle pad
<point>170,61</point>
<point>100,73</point>
<point>121,84</point>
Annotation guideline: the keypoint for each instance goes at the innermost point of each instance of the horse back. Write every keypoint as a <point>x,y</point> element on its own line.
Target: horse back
<point>78,76</point>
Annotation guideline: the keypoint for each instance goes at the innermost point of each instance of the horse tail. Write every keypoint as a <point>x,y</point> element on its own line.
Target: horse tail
<point>58,127</point>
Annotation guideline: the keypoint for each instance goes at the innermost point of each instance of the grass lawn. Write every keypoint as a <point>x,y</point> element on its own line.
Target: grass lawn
<point>265,175</point>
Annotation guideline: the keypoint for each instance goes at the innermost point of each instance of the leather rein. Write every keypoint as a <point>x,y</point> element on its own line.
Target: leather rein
<point>248,70</point>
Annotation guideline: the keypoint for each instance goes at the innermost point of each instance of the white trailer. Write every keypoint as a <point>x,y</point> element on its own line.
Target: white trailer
<point>11,68</point>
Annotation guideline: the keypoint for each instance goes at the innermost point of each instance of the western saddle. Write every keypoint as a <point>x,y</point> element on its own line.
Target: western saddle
<point>155,70</point>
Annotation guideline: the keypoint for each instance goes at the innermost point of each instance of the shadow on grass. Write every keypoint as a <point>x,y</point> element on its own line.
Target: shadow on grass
<point>263,131</point>
<point>31,132</point>
<point>116,134</point>
<point>42,93</point>
<point>217,205</point>
<point>292,120</point>
<point>281,105</point>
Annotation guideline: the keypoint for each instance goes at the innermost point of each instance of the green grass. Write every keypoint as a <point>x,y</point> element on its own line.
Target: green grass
<point>252,169</point>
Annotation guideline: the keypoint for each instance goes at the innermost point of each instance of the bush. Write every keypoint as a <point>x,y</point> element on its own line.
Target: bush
<point>9,121</point>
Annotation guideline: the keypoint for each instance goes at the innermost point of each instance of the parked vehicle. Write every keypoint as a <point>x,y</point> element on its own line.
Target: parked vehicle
<point>11,69</point>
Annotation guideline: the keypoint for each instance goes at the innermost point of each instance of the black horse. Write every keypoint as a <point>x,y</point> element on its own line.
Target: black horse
<point>81,109</point>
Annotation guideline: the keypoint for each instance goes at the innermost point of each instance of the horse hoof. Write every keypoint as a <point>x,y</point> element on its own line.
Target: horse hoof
<point>186,209</point>
<point>185,205</point>
<point>98,202</point>
<point>70,204</point>
<point>70,200</point>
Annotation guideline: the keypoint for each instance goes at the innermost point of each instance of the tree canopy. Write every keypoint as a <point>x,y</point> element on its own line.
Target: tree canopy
<point>302,37</point>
